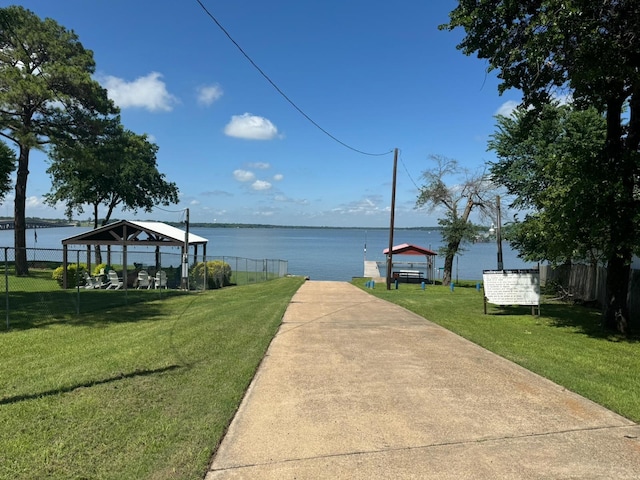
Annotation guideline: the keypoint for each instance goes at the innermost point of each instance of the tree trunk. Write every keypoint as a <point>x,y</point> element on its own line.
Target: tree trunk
<point>621,221</point>
<point>616,312</point>
<point>454,245</point>
<point>448,268</point>
<point>19,213</point>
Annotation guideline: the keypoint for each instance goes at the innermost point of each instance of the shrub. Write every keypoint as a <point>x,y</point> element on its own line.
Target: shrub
<point>75,275</point>
<point>100,266</point>
<point>218,274</point>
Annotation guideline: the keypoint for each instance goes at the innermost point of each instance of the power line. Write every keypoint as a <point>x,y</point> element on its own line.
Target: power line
<point>408,174</point>
<point>169,211</point>
<point>281,92</point>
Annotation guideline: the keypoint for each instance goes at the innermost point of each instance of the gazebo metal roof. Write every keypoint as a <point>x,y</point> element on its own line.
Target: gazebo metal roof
<point>128,232</point>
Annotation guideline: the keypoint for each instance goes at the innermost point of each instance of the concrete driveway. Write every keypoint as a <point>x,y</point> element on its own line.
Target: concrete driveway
<point>353,387</point>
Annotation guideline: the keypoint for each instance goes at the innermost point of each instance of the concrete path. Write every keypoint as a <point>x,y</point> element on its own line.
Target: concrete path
<point>353,387</point>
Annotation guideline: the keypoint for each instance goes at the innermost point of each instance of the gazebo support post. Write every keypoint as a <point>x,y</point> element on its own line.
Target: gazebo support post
<point>64,266</point>
<point>125,275</point>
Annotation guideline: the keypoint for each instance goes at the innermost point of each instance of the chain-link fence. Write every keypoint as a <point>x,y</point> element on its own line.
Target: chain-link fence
<point>35,294</point>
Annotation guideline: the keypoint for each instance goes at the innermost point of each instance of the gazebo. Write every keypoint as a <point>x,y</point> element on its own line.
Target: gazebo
<point>409,270</point>
<point>128,233</point>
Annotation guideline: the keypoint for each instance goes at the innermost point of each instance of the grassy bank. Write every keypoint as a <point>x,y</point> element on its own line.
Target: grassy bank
<point>565,343</point>
<point>144,390</point>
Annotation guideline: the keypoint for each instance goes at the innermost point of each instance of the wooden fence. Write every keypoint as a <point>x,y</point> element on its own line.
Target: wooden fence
<point>588,284</point>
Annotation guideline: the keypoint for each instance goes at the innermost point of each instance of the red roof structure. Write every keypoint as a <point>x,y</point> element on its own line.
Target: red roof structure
<point>408,249</point>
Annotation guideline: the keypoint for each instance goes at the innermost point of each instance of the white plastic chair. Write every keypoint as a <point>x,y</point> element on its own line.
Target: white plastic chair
<point>143,280</point>
<point>90,282</point>
<point>161,279</point>
<point>116,283</point>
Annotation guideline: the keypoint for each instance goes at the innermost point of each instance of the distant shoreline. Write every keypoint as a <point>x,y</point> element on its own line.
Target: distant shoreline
<point>79,223</point>
<point>325,227</point>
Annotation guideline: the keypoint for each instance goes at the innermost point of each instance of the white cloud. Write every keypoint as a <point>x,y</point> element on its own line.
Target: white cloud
<point>261,185</point>
<point>217,193</point>
<point>260,165</point>
<point>283,198</point>
<point>264,213</point>
<point>507,108</point>
<point>209,94</point>
<point>194,202</point>
<point>278,177</point>
<point>251,127</point>
<point>33,202</point>
<point>365,206</point>
<point>148,92</point>
<point>243,175</point>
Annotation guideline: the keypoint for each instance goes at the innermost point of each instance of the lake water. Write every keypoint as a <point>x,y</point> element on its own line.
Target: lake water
<point>320,253</point>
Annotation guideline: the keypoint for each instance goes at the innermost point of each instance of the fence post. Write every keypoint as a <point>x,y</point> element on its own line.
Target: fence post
<point>77,281</point>
<point>6,283</point>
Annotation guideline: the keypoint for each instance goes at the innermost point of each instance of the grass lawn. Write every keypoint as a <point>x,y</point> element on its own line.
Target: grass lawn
<point>565,344</point>
<point>37,300</point>
<point>143,390</point>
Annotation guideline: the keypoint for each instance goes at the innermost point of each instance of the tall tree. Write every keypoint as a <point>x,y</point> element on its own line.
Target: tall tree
<point>116,169</point>
<point>45,84</point>
<point>471,191</point>
<point>590,49</point>
<point>548,162</point>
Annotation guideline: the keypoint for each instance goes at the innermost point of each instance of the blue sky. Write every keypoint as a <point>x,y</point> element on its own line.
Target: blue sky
<point>376,75</point>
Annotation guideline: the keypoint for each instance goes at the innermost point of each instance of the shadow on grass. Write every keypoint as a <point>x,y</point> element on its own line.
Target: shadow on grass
<point>71,388</point>
<point>28,310</point>
<point>584,320</point>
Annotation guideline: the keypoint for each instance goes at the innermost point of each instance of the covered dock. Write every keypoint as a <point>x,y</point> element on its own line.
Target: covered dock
<point>410,270</point>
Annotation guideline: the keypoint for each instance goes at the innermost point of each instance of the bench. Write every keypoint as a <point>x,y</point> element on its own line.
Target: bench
<point>408,275</point>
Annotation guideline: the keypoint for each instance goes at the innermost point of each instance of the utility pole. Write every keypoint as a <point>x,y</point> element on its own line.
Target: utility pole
<point>392,221</point>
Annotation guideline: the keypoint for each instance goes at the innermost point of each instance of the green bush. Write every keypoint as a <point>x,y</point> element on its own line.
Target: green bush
<point>100,266</point>
<point>75,275</point>
<point>218,274</point>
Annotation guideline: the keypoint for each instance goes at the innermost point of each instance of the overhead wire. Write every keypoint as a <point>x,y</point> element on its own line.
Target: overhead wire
<point>273,84</point>
<point>182,211</point>
<point>408,174</point>
<point>170,211</point>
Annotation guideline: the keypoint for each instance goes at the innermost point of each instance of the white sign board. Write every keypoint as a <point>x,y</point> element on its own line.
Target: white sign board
<point>512,287</point>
